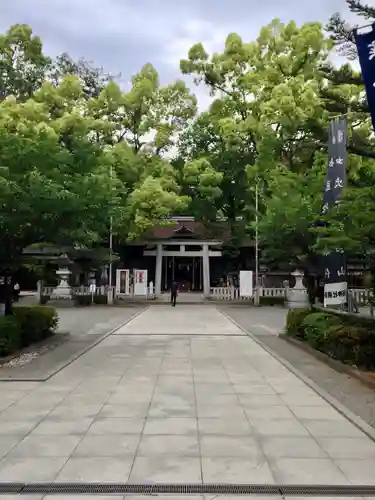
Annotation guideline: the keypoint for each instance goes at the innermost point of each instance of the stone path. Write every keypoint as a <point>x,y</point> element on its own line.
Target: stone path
<point>85,327</point>
<point>349,391</point>
<point>178,395</point>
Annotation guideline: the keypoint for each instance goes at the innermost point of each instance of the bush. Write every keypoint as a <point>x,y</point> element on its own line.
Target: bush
<point>100,299</point>
<point>316,327</point>
<point>36,323</point>
<point>10,335</point>
<point>271,301</point>
<point>83,300</point>
<point>348,338</point>
<point>294,320</point>
<point>354,345</point>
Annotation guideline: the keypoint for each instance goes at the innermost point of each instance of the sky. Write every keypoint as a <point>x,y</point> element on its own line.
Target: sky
<point>122,35</point>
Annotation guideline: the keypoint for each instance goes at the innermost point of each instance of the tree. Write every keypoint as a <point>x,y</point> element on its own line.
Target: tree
<point>223,190</point>
<point>92,79</point>
<point>149,117</point>
<point>53,184</point>
<point>265,114</point>
<point>291,208</point>
<point>342,33</point>
<point>22,63</point>
<point>344,92</point>
<point>146,188</point>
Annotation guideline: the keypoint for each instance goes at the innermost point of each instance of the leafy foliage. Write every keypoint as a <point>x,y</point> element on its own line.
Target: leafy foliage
<point>344,337</point>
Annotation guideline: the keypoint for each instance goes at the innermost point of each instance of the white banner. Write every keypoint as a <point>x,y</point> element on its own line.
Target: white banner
<point>335,293</point>
<point>246,283</point>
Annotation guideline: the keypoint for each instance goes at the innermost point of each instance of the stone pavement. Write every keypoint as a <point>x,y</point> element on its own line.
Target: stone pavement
<point>349,391</point>
<point>85,327</point>
<point>179,395</point>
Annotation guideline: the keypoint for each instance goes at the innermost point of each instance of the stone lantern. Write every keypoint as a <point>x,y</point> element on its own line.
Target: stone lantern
<point>297,297</point>
<point>63,289</point>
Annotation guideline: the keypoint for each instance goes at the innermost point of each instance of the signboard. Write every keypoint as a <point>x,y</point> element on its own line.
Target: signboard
<point>140,282</point>
<point>92,288</point>
<point>335,293</point>
<point>246,283</point>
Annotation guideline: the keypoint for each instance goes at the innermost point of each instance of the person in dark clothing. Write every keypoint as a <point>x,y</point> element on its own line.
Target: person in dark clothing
<point>174,291</point>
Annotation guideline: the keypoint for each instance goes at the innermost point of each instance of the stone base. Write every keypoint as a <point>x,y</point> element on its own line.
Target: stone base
<point>297,299</point>
<point>61,293</point>
<point>61,303</point>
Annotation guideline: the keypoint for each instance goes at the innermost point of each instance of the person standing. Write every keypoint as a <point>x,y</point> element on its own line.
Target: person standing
<point>174,292</point>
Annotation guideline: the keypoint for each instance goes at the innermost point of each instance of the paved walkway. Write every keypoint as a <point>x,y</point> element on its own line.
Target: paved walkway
<point>178,395</point>
<point>265,321</point>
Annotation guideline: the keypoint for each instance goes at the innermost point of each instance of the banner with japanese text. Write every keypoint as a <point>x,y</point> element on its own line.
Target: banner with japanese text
<point>366,52</point>
<point>335,282</point>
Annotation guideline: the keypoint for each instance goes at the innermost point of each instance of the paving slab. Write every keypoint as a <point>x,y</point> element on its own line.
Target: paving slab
<point>350,392</point>
<point>78,330</point>
<point>196,404</point>
<point>180,320</point>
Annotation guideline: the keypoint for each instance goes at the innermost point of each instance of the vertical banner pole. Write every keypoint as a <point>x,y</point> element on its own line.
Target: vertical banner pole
<point>335,281</point>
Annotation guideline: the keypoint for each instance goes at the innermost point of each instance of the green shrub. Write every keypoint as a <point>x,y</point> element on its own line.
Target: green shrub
<point>351,344</point>
<point>36,323</point>
<point>294,320</point>
<point>316,327</point>
<point>271,301</point>
<point>83,300</point>
<point>10,335</point>
<point>348,338</point>
<point>100,299</point>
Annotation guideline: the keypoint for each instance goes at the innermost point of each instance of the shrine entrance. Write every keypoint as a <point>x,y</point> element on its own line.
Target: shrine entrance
<point>186,271</point>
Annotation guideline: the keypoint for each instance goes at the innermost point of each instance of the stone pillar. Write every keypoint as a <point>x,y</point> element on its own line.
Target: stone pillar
<point>206,272</point>
<point>158,269</point>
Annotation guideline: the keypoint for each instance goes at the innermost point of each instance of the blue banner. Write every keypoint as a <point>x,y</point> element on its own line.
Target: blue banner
<point>366,52</point>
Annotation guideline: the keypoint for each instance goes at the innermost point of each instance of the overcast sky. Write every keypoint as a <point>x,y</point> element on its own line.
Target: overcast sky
<point>122,35</point>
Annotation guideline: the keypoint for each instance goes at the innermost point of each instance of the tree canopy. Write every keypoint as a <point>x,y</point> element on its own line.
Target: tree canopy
<point>77,150</point>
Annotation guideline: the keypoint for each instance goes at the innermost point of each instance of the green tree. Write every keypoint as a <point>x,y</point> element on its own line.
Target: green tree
<point>266,109</point>
<point>92,79</point>
<point>341,31</point>
<point>344,91</point>
<point>149,117</point>
<point>291,207</point>
<point>146,187</point>
<point>22,63</point>
<point>54,184</point>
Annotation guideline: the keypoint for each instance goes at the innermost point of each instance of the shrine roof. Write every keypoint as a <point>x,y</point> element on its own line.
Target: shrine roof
<point>187,228</point>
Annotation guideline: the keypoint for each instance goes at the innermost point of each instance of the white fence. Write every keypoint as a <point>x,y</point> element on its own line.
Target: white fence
<point>231,293</point>
<point>76,290</point>
<point>360,295</point>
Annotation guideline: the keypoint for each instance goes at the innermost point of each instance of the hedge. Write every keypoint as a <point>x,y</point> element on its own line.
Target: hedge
<point>100,299</point>
<point>26,326</point>
<point>271,301</point>
<point>83,300</point>
<point>350,339</point>
<point>88,299</point>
